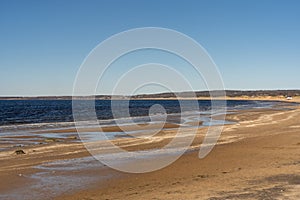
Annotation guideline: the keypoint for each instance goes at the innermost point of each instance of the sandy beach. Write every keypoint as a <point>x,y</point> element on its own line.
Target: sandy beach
<point>257,157</point>
<point>149,100</point>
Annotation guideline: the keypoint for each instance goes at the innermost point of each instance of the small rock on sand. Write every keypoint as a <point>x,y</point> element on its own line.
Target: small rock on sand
<point>19,152</point>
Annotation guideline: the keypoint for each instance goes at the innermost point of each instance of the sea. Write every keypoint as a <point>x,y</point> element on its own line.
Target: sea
<point>35,112</point>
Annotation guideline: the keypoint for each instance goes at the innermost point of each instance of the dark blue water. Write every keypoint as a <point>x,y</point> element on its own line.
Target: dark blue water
<point>14,112</point>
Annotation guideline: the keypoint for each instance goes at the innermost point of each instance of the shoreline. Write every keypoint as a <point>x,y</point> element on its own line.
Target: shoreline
<point>263,164</point>
<point>235,140</point>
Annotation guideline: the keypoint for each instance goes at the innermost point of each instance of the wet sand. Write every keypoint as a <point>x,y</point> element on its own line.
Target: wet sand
<point>262,163</point>
<point>258,157</point>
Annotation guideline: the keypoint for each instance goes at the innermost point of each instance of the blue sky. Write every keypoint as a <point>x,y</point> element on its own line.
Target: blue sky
<point>255,44</point>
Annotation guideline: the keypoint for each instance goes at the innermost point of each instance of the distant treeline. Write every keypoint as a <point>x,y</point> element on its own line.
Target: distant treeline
<point>229,93</point>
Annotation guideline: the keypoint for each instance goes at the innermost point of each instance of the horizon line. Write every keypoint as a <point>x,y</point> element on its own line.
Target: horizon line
<point>126,95</point>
